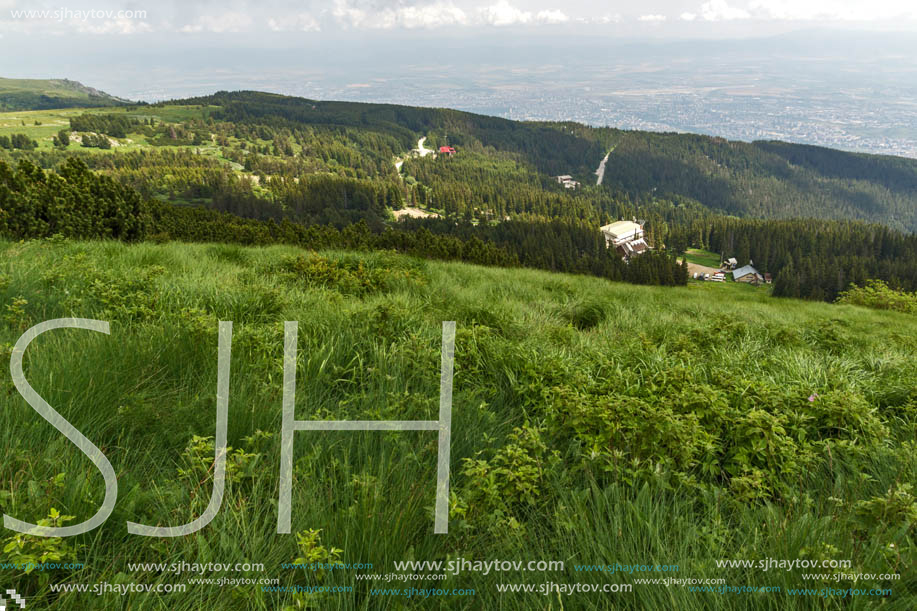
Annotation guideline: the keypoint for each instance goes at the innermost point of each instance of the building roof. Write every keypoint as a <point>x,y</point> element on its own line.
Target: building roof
<point>633,247</point>
<point>446,149</point>
<point>620,228</point>
<point>744,271</point>
<point>732,261</point>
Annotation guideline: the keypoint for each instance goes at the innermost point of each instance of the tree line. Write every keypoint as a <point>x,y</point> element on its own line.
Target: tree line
<point>79,203</point>
<point>809,258</point>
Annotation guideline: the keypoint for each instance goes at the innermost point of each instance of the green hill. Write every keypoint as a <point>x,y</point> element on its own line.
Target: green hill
<point>43,94</point>
<point>594,423</point>
<point>770,180</point>
<point>506,166</point>
<point>799,213</point>
<point>758,180</point>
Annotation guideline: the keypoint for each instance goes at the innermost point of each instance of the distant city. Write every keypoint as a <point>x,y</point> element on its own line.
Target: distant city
<point>853,91</point>
<point>843,122</point>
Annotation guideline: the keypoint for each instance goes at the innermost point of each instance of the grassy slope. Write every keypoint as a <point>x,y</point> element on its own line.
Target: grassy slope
<point>52,121</point>
<point>702,257</point>
<point>141,394</point>
<point>34,94</point>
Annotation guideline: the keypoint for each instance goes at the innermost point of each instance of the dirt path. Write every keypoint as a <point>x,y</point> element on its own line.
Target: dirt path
<point>409,212</point>
<point>415,213</point>
<point>694,268</point>
<point>421,150</point>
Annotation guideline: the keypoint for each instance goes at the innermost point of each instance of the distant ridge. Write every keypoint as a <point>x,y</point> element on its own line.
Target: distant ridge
<point>46,94</point>
<point>762,179</point>
<point>517,162</point>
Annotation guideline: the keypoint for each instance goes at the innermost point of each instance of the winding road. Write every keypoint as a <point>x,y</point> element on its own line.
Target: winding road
<point>423,152</point>
<point>420,150</point>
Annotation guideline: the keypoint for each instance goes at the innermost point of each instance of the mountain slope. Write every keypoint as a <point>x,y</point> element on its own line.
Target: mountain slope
<point>767,179</point>
<point>43,94</point>
<point>582,409</point>
<point>757,180</point>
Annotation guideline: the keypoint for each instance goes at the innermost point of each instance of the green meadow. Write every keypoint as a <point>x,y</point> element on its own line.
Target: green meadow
<point>699,256</point>
<point>42,125</point>
<point>594,423</point>
<point>19,94</point>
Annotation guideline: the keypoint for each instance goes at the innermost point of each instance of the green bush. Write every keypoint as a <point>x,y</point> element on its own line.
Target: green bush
<point>877,294</point>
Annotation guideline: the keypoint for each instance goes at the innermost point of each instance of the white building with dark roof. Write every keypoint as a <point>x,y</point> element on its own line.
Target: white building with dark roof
<point>626,237</point>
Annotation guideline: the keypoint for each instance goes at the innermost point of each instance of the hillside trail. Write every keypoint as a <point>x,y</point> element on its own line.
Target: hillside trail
<point>421,149</point>
<point>600,171</point>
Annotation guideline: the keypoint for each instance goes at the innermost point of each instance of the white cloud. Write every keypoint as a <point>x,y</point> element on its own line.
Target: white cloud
<point>439,14</point>
<point>503,13</point>
<point>610,18</point>
<point>224,22</point>
<point>719,10</point>
<point>303,22</point>
<point>348,15</point>
<point>432,16</point>
<point>264,16</point>
<point>838,10</point>
<point>113,26</point>
<point>549,17</point>
<point>804,10</point>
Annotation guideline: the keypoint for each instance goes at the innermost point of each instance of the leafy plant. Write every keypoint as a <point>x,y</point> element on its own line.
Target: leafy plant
<point>32,550</point>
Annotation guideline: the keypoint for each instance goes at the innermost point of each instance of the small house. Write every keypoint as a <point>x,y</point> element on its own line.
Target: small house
<point>567,181</point>
<point>747,274</point>
<point>446,150</point>
<point>731,263</point>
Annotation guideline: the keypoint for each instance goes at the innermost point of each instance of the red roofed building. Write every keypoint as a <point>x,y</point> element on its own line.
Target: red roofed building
<point>447,150</point>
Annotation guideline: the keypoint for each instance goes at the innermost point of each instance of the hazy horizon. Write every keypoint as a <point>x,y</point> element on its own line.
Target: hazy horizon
<point>809,71</point>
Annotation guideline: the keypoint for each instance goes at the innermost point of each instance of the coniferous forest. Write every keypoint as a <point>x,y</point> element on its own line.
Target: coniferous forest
<point>258,168</point>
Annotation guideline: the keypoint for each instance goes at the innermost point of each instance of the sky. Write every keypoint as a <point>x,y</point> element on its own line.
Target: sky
<point>457,17</point>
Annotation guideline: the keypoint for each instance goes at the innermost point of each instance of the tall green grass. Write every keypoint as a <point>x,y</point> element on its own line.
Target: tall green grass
<point>593,423</point>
